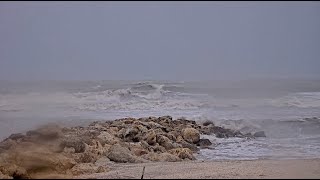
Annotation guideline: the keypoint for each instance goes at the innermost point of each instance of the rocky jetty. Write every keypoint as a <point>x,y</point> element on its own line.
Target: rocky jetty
<point>61,152</point>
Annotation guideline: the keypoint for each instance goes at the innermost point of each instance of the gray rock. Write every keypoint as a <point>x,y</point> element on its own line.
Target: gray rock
<point>259,134</point>
<point>204,143</point>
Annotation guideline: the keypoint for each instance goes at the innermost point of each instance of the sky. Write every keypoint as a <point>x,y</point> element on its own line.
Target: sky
<point>158,40</point>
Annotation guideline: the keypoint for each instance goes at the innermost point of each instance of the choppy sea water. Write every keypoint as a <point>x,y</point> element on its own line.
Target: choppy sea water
<point>288,112</point>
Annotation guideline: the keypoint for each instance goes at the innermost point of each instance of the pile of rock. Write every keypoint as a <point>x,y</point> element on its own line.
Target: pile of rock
<point>52,151</point>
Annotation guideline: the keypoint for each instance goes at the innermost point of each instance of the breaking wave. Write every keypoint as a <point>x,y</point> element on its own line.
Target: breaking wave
<point>302,100</point>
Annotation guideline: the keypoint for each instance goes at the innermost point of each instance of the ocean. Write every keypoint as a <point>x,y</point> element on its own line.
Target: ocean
<point>287,110</point>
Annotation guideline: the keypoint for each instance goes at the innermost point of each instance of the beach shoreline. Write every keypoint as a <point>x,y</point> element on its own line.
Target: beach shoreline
<point>234,169</point>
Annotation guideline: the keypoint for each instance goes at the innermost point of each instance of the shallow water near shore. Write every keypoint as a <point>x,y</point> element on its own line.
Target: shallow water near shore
<point>287,112</point>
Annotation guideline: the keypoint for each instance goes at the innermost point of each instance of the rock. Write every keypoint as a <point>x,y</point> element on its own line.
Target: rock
<point>96,148</point>
<point>75,143</point>
<point>259,134</point>
<point>87,168</point>
<point>102,161</point>
<point>207,123</point>
<point>121,154</point>
<point>142,130</point>
<point>166,118</point>
<point>7,144</point>
<point>165,142</point>
<point>191,135</point>
<point>154,125</point>
<point>161,157</point>
<point>12,171</point>
<point>157,148</point>
<point>2,176</point>
<point>107,138</point>
<point>137,149</point>
<point>183,153</point>
<point>190,146</point>
<point>204,143</point>
<point>16,136</point>
<point>151,137</point>
<point>86,157</point>
<point>131,134</point>
<point>172,135</point>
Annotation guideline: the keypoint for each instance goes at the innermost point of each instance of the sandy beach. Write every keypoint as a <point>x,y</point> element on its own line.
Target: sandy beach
<point>262,169</point>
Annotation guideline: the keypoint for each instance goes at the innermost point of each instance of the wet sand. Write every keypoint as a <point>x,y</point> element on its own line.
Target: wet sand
<point>304,168</point>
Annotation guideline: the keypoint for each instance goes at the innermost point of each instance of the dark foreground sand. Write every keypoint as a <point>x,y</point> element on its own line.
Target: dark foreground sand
<point>305,168</point>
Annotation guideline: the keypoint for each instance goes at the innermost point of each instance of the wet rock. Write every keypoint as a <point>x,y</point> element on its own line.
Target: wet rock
<point>191,135</point>
<point>204,143</point>
<point>121,154</point>
<point>259,134</point>
<point>183,153</point>
<point>190,146</point>
<point>207,123</point>
<point>161,157</point>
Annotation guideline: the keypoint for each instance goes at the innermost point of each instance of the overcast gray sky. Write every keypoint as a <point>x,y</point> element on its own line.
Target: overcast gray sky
<point>159,40</point>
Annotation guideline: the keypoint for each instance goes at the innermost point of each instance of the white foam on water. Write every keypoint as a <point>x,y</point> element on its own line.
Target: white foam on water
<point>282,118</point>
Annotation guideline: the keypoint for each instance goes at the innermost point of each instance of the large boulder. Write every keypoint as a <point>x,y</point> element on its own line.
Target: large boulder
<point>191,135</point>
<point>190,146</point>
<point>107,138</point>
<point>204,143</point>
<point>120,154</point>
